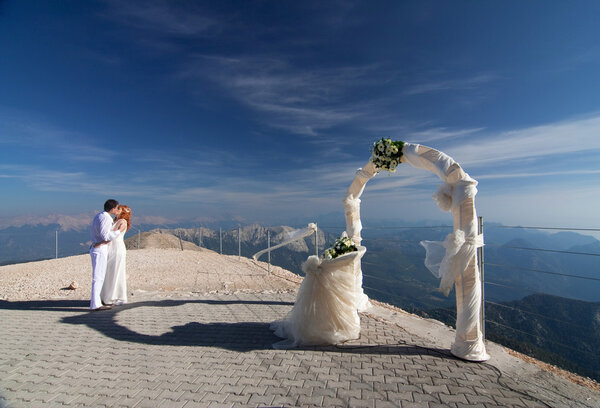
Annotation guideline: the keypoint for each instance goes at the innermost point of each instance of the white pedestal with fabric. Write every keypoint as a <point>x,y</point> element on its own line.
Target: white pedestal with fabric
<point>325,309</point>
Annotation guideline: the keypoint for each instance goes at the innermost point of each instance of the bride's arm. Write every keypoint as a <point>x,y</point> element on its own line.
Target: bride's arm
<point>120,225</point>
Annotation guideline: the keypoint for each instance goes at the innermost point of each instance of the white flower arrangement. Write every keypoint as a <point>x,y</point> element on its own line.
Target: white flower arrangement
<point>386,154</point>
<point>341,246</point>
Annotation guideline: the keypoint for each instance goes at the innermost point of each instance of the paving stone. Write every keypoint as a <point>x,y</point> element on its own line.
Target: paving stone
<point>447,399</point>
<point>308,391</point>
<point>283,401</point>
<point>409,404</point>
<point>331,402</point>
<point>476,399</point>
<point>214,404</point>
<point>232,398</point>
<point>304,400</point>
<point>400,396</point>
<point>436,389</point>
<point>361,403</point>
<point>510,402</point>
<point>426,397</point>
<point>261,399</point>
<point>347,394</point>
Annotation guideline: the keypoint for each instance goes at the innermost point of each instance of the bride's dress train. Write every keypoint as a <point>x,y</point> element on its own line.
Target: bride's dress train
<point>325,311</point>
<point>114,289</point>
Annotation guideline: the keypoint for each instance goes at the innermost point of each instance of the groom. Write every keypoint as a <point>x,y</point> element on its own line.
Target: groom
<point>101,231</point>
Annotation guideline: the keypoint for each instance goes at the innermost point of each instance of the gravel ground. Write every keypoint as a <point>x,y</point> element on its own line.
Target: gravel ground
<point>153,269</point>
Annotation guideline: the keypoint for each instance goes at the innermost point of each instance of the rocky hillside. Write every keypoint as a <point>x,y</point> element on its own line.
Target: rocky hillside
<point>161,239</point>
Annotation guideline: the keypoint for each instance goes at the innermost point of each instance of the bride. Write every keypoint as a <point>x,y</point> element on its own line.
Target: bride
<point>114,290</point>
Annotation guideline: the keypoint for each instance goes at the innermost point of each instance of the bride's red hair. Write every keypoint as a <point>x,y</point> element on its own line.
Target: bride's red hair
<point>125,215</point>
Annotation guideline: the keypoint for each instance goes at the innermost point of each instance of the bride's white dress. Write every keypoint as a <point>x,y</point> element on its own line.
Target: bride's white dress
<point>325,311</point>
<point>114,289</point>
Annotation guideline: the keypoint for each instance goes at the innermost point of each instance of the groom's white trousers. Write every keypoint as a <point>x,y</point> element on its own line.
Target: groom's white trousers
<point>99,260</point>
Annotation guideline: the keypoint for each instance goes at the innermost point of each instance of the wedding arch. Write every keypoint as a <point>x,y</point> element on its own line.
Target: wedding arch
<point>455,259</point>
<point>325,311</point>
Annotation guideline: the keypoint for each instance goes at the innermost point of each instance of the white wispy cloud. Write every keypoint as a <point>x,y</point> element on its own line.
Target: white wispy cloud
<point>46,179</point>
<point>299,100</point>
<point>284,94</point>
<point>33,134</point>
<point>460,84</point>
<point>441,133</point>
<point>579,58</point>
<point>537,174</point>
<point>538,142</point>
<point>164,17</point>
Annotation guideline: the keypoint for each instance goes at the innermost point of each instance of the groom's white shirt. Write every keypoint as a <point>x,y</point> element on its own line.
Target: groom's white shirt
<point>102,228</point>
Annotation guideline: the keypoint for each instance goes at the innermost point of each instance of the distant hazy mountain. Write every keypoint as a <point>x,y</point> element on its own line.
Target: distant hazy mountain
<point>512,273</point>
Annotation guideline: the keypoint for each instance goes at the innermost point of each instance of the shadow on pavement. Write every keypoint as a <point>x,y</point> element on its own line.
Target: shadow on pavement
<point>76,305</point>
<point>62,305</point>
<point>236,336</point>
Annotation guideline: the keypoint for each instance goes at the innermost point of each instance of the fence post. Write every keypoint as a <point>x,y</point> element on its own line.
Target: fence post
<point>139,238</point>
<point>56,245</point>
<point>316,240</point>
<point>200,236</point>
<point>269,249</point>
<point>239,243</point>
<point>220,241</point>
<point>482,277</point>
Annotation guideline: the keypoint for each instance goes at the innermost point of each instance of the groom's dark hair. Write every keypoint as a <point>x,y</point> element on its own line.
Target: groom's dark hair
<point>110,204</point>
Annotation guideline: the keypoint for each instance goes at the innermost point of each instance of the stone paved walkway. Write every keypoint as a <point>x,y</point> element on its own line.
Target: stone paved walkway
<point>214,351</point>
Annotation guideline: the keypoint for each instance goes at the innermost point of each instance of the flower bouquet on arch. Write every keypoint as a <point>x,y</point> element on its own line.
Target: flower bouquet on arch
<point>386,154</point>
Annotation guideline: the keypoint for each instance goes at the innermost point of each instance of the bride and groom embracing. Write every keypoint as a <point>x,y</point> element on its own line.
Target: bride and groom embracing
<point>108,254</point>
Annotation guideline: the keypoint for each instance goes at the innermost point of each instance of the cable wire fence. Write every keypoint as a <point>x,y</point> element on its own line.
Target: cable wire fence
<point>542,293</point>
<point>540,284</point>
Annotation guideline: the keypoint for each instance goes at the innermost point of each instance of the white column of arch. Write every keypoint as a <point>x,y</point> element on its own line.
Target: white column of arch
<point>468,343</point>
<point>354,225</point>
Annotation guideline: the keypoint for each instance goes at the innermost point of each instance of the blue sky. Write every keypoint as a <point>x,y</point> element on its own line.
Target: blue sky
<point>263,110</point>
